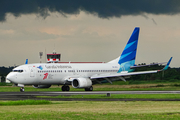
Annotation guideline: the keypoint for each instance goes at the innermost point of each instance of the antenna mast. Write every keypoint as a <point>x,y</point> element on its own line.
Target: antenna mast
<point>40,55</point>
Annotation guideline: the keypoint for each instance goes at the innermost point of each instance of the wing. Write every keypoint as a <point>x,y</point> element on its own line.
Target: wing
<point>122,74</point>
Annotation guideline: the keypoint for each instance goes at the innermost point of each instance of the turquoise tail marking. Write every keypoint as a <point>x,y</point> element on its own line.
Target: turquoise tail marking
<point>166,67</point>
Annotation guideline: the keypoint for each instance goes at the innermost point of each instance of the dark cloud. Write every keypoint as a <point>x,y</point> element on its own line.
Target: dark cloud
<point>101,8</point>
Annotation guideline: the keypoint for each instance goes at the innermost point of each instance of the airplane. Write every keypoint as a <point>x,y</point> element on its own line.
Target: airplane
<point>80,75</point>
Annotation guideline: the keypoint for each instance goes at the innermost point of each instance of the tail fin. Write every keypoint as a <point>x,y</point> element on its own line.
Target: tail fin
<point>26,61</point>
<point>128,56</point>
<point>129,52</point>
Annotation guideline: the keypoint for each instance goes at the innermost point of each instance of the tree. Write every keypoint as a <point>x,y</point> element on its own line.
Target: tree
<point>3,78</point>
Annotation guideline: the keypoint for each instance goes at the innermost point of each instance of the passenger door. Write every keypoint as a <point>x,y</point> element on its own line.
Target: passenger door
<point>32,71</point>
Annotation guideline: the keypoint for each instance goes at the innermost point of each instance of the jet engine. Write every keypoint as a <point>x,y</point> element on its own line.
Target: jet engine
<point>82,83</point>
<point>41,86</point>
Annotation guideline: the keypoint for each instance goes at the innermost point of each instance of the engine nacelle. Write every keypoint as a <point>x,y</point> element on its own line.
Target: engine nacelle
<point>81,83</point>
<point>41,86</point>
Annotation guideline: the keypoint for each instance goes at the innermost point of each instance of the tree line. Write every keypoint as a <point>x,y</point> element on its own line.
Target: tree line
<point>4,71</point>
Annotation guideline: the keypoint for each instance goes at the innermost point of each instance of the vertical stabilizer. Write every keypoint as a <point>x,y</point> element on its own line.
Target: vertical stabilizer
<point>129,52</point>
<point>26,61</point>
<point>128,56</point>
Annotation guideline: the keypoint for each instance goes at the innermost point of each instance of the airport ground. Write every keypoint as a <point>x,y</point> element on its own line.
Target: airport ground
<point>13,93</point>
<point>98,109</point>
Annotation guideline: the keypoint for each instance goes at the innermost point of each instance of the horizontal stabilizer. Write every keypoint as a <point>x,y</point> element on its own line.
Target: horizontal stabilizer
<point>137,66</point>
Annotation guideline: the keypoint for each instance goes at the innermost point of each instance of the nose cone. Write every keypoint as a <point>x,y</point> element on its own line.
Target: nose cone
<point>10,77</point>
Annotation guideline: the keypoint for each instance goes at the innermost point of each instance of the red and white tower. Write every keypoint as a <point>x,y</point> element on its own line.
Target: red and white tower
<point>53,58</point>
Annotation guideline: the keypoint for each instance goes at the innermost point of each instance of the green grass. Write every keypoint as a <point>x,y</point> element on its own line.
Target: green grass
<point>24,102</point>
<point>97,110</point>
<point>5,84</point>
<point>120,96</point>
<point>132,82</point>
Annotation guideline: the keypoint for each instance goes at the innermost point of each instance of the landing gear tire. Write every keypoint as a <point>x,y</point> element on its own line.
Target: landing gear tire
<point>89,89</point>
<point>22,89</point>
<point>65,88</point>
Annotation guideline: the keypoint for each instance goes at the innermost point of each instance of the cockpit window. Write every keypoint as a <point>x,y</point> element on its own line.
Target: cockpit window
<point>18,71</point>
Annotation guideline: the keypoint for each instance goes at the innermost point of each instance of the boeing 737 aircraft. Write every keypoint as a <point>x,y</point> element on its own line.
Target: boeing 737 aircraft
<point>80,75</point>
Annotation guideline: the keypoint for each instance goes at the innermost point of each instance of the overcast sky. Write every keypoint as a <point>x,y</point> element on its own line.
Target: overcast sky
<point>88,30</point>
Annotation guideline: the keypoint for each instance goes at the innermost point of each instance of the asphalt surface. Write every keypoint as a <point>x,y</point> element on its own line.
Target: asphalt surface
<point>32,95</point>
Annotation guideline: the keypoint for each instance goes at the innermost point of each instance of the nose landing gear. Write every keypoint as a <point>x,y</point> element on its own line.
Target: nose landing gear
<point>22,89</point>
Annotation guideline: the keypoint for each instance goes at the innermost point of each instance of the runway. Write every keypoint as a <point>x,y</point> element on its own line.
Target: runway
<point>86,93</point>
<point>32,95</point>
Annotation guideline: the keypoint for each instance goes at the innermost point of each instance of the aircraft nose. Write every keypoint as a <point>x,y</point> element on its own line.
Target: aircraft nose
<point>10,77</point>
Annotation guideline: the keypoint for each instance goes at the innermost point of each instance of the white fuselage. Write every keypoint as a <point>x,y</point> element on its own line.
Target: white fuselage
<point>55,73</point>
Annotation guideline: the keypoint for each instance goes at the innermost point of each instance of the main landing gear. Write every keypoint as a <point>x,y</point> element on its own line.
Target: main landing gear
<point>22,89</point>
<point>65,88</point>
<point>89,89</point>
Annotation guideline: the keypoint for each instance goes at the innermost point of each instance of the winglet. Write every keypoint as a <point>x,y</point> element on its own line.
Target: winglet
<point>26,61</point>
<point>167,65</point>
